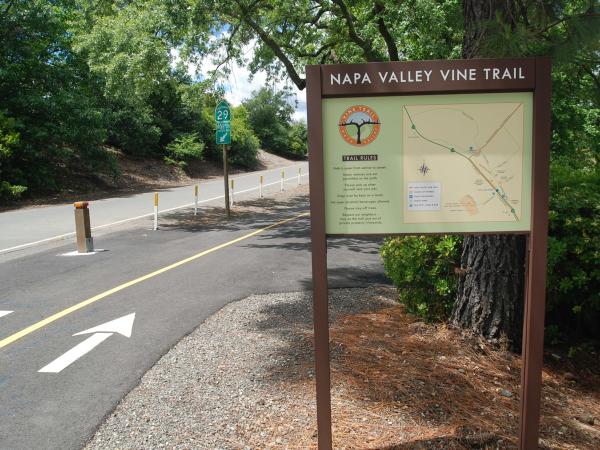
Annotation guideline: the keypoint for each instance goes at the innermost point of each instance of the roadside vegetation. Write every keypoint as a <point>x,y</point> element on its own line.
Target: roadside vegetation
<point>79,78</point>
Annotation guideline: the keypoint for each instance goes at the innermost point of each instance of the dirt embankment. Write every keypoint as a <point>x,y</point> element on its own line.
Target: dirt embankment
<point>139,175</point>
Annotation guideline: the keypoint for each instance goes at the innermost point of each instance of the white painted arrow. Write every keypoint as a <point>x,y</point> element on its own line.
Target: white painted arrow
<point>5,313</point>
<point>122,325</point>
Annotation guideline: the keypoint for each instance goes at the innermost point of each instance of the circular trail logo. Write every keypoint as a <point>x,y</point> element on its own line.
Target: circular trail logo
<point>359,125</point>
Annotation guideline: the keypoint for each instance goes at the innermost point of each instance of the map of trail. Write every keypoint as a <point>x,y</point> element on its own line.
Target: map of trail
<point>463,162</point>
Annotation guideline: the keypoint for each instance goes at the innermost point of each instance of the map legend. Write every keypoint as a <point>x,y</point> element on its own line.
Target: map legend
<point>424,196</point>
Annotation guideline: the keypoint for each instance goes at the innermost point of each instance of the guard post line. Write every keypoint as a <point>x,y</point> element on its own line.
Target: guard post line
<point>155,211</point>
<point>282,179</point>
<point>299,174</point>
<point>260,186</point>
<point>83,231</point>
<point>336,92</point>
<point>195,199</point>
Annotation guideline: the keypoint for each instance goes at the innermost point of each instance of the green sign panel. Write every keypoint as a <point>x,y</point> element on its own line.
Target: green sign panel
<point>223,112</point>
<point>223,119</point>
<point>223,137</point>
<point>453,163</point>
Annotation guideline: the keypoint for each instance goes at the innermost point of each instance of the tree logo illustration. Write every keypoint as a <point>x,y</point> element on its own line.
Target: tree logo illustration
<point>359,125</point>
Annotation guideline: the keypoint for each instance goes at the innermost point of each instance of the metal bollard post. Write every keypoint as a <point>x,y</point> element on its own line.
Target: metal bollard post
<point>195,199</point>
<point>232,191</point>
<point>83,231</point>
<point>282,178</point>
<point>155,211</point>
<point>261,186</point>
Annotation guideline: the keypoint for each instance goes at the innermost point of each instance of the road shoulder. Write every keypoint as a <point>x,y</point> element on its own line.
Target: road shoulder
<point>230,382</point>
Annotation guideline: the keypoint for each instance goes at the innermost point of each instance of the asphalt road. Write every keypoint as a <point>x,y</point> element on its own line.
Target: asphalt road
<point>31,225</point>
<point>61,410</point>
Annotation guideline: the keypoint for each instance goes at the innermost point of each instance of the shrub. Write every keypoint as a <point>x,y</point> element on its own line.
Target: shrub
<point>422,268</point>
<point>298,140</point>
<point>9,140</point>
<point>574,252</point>
<point>9,191</point>
<point>183,149</point>
<point>270,116</point>
<point>244,148</point>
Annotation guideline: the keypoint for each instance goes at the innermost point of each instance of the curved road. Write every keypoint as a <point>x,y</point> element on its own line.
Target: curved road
<point>56,384</point>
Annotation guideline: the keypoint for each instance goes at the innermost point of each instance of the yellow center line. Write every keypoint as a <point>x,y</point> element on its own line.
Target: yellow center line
<point>48,320</point>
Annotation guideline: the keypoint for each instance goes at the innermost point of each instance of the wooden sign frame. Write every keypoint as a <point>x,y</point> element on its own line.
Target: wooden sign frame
<point>535,77</point>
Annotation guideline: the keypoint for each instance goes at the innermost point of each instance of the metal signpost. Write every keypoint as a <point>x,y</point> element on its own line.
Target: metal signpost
<point>223,137</point>
<point>431,147</point>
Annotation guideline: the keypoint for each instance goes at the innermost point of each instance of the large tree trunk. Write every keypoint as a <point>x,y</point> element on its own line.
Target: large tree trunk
<point>491,290</point>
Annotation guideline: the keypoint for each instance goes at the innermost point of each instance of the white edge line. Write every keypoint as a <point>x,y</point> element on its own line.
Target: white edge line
<point>5,313</point>
<point>61,237</point>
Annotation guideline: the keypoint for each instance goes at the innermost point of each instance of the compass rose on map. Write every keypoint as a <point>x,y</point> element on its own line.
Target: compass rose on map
<point>423,168</point>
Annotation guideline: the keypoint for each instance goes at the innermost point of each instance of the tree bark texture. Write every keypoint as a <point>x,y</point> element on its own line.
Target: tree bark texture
<point>491,291</point>
<point>491,287</point>
<point>478,15</point>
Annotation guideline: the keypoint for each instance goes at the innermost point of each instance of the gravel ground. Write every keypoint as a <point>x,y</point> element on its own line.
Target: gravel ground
<point>235,380</point>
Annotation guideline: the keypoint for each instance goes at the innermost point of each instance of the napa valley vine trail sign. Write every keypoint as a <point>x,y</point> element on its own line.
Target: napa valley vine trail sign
<point>431,147</point>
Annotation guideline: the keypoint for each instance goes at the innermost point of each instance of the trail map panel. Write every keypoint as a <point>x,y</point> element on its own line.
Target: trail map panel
<point>471,152</point>
<point>428,164</point>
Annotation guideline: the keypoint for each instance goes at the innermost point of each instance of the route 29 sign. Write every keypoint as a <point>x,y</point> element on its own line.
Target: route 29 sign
<point>418,147</point>
<point>223,121</point>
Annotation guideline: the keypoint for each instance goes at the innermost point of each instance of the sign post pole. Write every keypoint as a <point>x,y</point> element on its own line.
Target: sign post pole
<point>223,137</point>
<point>226,180</point>
<point>319,257</point>
<point>533,323</point>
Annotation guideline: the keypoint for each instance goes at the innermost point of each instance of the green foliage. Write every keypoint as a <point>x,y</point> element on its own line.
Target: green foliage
<point>298,140</point>
<point>184,149</point>
<point>150,100</point>
<point>270,115</point>
<point>574,251</point>
<point>75,75</point>
<point>48,91</point>
<point>422,268</point>
<point>9,191</point>
<point>244,143</point>
<point>9,140</point>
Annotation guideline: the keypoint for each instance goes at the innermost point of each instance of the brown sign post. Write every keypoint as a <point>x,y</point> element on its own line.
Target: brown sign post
<point>340,95</point>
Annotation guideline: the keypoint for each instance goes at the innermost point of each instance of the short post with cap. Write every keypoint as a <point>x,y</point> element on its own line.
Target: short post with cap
<point>83,231</point>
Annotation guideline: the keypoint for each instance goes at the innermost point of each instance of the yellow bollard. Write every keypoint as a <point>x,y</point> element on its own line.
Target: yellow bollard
<point>261,186</point>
